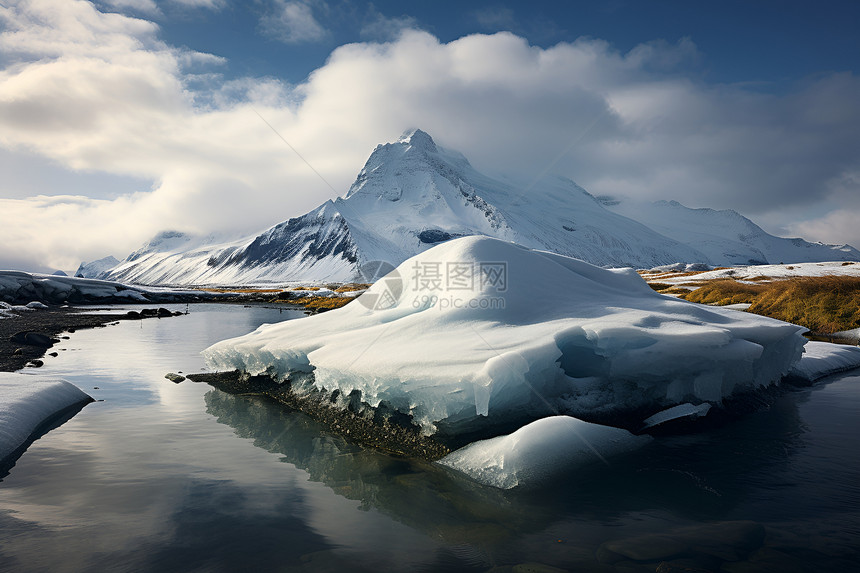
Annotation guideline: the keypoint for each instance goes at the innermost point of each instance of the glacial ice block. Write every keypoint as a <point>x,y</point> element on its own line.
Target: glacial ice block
<point>26,401</point>
<point>478,329</point>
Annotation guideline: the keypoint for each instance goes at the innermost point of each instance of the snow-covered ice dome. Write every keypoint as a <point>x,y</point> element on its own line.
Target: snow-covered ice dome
<point>27,402</point>
<point>478,331</point>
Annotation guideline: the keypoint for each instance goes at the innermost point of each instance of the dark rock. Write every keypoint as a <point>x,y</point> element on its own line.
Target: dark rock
<point>163,312</point>
<point>53,354</point>
<point>32,339</point>
<point>431,236</point>
<point>174,377</point>
<point>35,363</point>
<point>132,315</point>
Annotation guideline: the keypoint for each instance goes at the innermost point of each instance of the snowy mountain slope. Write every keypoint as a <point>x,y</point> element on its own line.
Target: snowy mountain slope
<point>409,196</point>
<point>94,269</point>
<point>412,195</point>
<point>725,236</point>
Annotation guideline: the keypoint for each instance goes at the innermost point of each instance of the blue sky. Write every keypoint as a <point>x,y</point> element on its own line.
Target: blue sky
<point>768,43</point>
<point>122,118</point>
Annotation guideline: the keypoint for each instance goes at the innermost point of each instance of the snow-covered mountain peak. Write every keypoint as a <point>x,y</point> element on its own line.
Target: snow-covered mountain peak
<point>418,139</point>
<point>410,169</point>
<point>412,194</point>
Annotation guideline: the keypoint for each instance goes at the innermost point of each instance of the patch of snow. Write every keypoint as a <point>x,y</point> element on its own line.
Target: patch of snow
<point>27,401</point>
<point>541,450</point>
<point>545,334</point>
<point>744,273</point>
<point>822,359</point>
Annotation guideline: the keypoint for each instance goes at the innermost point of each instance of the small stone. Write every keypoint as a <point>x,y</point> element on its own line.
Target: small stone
<point>35,363</point>
<point>174,377</point>
<point>53,354</point>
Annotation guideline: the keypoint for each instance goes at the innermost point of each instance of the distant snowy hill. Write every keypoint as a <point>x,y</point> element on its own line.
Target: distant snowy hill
<point>94,269</point>
<point>412,195</point>
<point>726,237</point>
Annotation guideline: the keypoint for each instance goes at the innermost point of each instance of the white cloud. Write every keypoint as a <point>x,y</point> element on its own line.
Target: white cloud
<point>292,22</point>
<point>101,92</point>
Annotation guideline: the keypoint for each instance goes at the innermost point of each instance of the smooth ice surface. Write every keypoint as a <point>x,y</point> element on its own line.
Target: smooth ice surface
<point>821,359</point>
<point>540,450</point>
<point>26,401</point>
<point>544,334</point>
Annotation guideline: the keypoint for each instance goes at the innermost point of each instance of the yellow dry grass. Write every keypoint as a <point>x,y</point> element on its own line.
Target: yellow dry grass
<point>352,287</point>
<point>822,304</point>
<point>319,303</point>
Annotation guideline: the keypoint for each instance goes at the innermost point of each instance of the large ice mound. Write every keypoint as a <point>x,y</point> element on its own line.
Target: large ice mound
<point>541,450</point>
<point>481,331</point>
<point>27,401</point>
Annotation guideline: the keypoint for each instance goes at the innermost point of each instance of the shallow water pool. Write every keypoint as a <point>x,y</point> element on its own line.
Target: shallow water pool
<point>182,477</point>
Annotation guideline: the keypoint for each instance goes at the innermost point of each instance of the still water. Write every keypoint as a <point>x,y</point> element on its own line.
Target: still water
<point>160,476</point>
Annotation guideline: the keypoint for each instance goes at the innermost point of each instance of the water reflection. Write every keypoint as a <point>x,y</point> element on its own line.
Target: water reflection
<point>747,470</point>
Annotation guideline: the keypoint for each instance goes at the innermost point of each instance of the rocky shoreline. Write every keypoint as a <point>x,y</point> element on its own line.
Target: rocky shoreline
<point>27,337</point>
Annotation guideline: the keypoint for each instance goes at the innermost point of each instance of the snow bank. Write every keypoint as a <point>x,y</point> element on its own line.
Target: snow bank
<point>36,289</point>
<point>28,401</point>
<point>538,451</point>
<point>20,286</point>
<point>822,359</point>
<point>823,269</point>
<point>479,330</point>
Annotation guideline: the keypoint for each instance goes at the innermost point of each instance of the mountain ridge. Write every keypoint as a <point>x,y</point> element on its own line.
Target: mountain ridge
<point>412,194</point>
